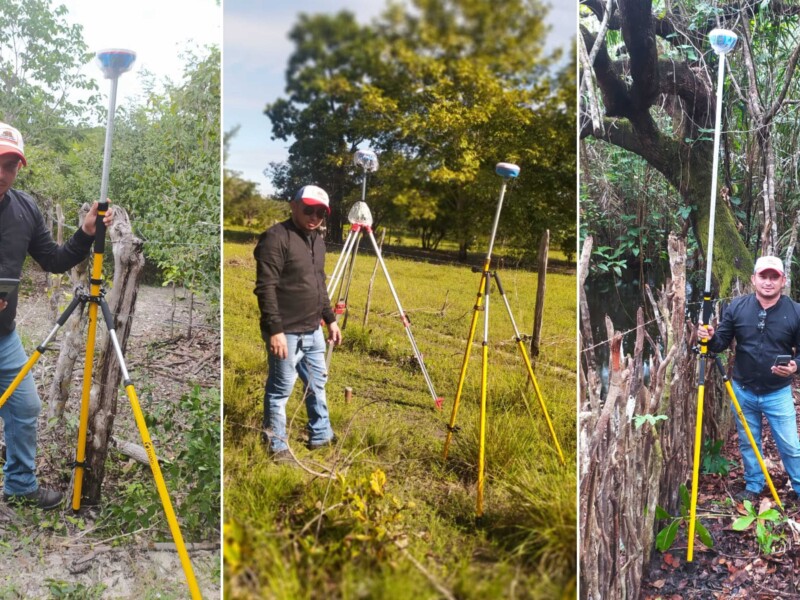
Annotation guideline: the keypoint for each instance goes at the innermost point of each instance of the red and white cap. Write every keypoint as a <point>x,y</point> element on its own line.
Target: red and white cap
<point>11,142</point>
<point>313,195</point>
<point>769,263</point>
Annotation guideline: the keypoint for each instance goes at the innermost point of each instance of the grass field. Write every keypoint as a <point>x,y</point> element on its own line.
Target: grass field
<point>387,517</point>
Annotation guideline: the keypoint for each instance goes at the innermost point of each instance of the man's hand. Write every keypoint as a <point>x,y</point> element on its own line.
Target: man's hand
<point>90,222</point>
<point>705,332</point>
<point>334,334</point>
<point>278,346</point>
<point>3,304</point>
<point>785,370</point>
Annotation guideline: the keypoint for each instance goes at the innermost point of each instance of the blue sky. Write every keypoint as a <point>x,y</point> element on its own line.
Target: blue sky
<point>156,30</point>
<point>255,52</point>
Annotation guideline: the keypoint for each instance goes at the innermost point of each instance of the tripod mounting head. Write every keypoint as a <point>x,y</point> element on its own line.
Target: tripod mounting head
<point>367,160</point>
<point>722,40</point>
<point>506,170</point>
<point>360,214</point>
<point>115,61</point>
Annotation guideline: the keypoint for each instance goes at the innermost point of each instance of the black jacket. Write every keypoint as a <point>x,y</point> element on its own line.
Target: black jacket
<point>756,350</point>
<point>290,280</point>
<point>23,232</point>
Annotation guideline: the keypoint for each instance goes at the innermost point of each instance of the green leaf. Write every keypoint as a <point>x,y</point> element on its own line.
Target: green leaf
<point>666,536</point>
<point>743,523</point>
<point>705,537</point>
<point>684,494</point>
<point>662,514</point>
<point>770,515</point>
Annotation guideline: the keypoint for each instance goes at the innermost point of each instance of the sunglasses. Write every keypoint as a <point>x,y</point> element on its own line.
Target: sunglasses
<point>320,211</point>
<point>762,318</point>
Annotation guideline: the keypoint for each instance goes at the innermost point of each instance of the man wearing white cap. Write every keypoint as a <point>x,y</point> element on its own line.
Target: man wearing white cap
<point>22,233</point>
<point>766,326</point>
<point>293,300</point>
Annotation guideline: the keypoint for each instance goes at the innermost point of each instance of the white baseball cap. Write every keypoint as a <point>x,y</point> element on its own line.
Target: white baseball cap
<point>769,263</point>
<point>11,142</point>
<point>313,195</point>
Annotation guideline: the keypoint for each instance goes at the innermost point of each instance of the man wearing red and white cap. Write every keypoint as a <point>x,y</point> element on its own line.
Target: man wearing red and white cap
<point>766,326</point>
<point>23,233</point>
<point>293,300</point>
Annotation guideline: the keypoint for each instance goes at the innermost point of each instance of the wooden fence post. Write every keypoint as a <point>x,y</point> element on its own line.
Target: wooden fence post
<point>541,280</point>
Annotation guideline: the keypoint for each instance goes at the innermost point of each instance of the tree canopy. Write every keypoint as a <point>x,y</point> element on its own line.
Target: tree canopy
<point>648,87</point>
<point>165,156</point>
<point>443,91</point>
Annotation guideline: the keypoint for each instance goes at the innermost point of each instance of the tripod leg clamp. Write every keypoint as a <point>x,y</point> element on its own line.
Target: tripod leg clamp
<point>74,464</point>
<point>453,429</point>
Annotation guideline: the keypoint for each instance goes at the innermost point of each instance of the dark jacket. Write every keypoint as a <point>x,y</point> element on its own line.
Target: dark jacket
<point>290,280</point>
<point>756,350</point>
<point>23,232</point>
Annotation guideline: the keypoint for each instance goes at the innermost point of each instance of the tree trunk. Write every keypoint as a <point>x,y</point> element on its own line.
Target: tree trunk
<point>72,345</point>
<point>128,264</point>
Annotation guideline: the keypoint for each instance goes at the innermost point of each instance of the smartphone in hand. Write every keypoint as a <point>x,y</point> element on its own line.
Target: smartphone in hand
<point>7,286</point>
<point>782,360</point>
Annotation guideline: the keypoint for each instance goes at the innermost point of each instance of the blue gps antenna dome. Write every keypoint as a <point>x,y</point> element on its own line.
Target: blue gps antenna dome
<point>115,61</point>
<point>505,169</point>
<point>722,40</point>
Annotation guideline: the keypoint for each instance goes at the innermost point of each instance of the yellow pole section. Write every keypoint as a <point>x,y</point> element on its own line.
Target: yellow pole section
<point>698,438</point>
<point>83,426</point>
<point>482,435</point>
<point>473,326</point>
<point>739,413</point>
<point>541,399</point>
<point>20,376</point>
<point>162,492</point>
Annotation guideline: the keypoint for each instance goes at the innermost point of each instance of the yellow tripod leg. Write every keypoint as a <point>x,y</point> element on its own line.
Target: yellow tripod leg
<point>532,377</point>
<point>753,445</point>
<point>482,434</point>
<point>465,362</point>
<point>83,423</point>
<point>162,492</point>
<point>698,438</point>
<point>20,376</point>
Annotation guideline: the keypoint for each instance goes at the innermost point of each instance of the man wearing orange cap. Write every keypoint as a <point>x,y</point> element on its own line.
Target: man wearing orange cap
<point>293,300</point>
<point>766,326</point>
<point>22,233</point>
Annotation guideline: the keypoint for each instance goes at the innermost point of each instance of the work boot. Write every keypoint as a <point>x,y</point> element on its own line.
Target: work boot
<point>43,498</point>
<point>283,457</point>
<point>746,494</point>
<point>325,444</point>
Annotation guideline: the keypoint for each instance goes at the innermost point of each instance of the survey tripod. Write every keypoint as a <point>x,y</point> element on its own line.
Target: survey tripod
<point>360,219</point>
<point>506,171</point>
<point>113,63</point>
<point>722,42</point>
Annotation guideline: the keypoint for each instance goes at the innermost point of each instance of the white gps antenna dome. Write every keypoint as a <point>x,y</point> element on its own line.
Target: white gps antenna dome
<point>367,160</point>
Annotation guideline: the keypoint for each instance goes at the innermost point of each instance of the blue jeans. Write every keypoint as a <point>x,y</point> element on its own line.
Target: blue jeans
<point>778,407</point>
<point>306,357</point>
<point>20,414</point>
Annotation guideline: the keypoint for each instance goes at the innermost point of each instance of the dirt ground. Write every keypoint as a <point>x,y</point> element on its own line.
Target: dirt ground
<point>734,568</point>
<point>38,560</point>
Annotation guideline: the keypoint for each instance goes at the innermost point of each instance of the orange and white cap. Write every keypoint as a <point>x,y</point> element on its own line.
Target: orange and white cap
<point>11,142</point>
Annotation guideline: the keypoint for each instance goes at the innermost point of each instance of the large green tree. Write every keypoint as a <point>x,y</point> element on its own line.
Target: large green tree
<point>443,90</point>
<point>324,114</point>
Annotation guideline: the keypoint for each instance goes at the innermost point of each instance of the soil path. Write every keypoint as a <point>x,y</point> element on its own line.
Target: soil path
<point>44,556</point>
